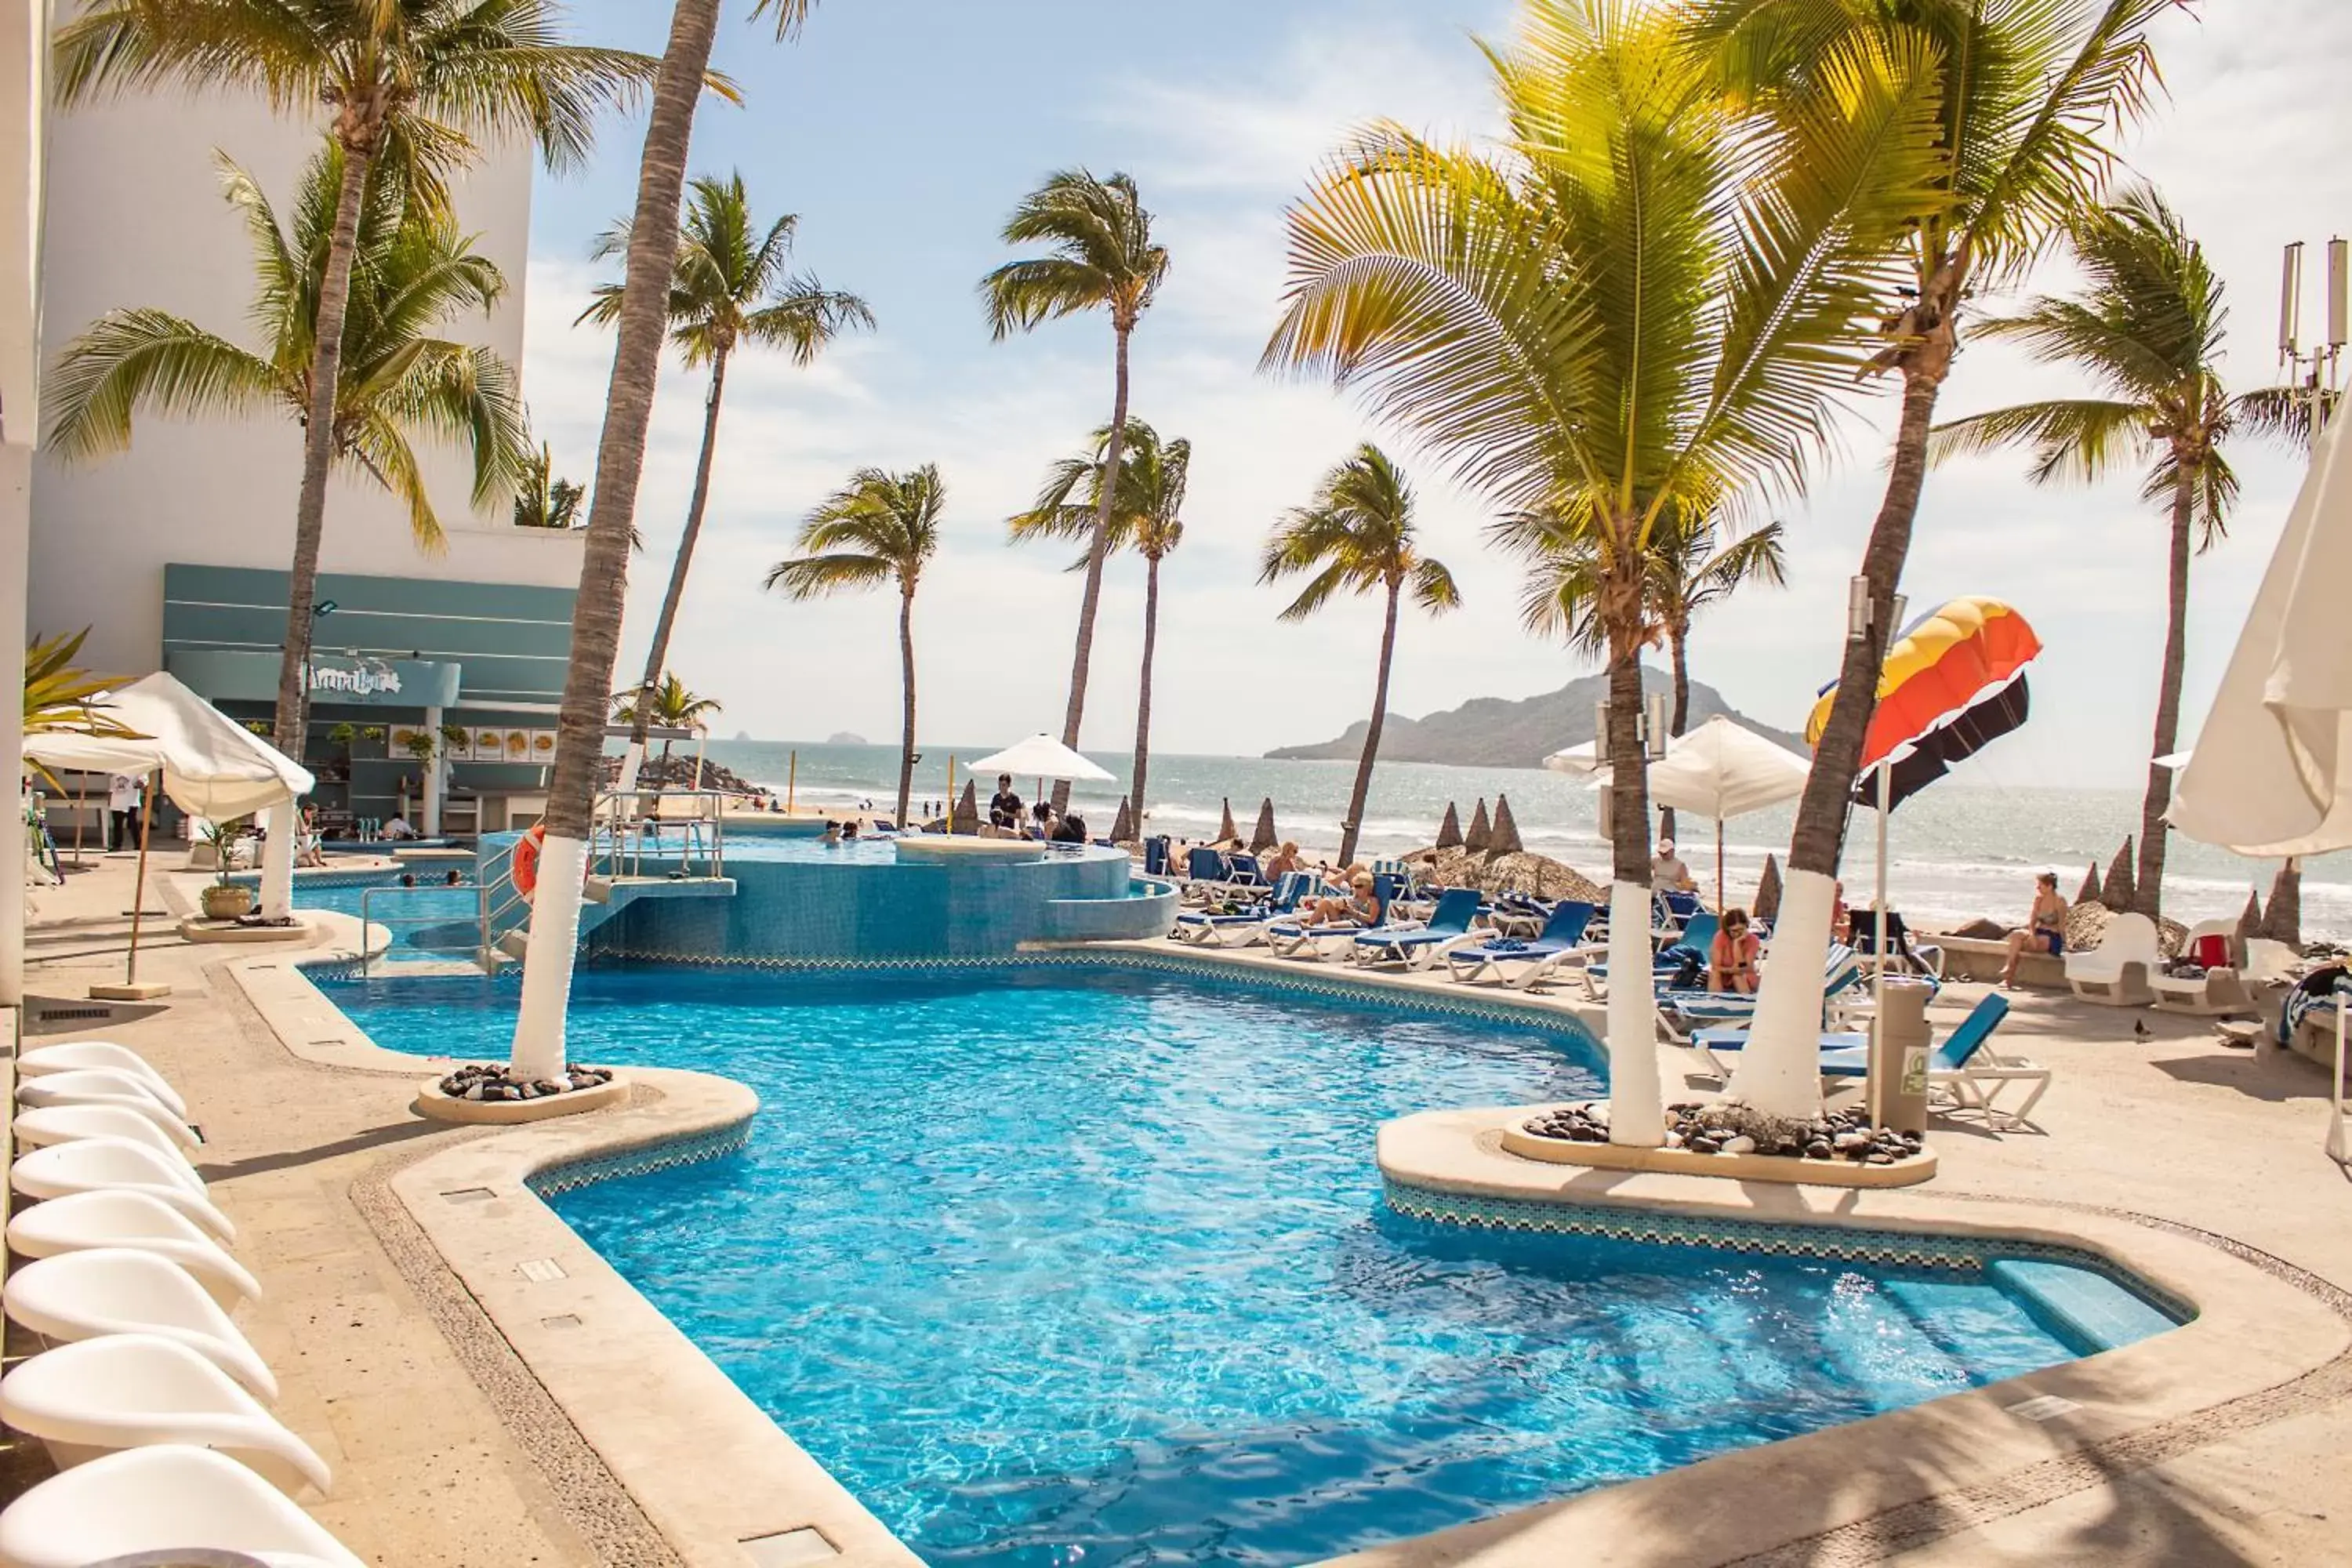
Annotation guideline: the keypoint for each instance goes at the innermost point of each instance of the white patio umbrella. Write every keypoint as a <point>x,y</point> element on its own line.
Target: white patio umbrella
<point>1578,760</point>
<point>212,766</point>
<point>1721,769</point>
<point>2271,773</point>
<point>1040,757</point>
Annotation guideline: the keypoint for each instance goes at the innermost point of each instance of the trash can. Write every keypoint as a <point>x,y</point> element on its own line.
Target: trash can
<point>1900,1043</point>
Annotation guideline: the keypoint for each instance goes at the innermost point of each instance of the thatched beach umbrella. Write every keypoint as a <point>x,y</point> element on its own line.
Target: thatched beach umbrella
<point>2284,921</point>
<point>1504,837</point>
<point>2117,892</point>
<point>2090,893</point>
<point>966,817</point>
<point>1768,890</point>
<point>2250,925</point>
<point>1227,831</point>
<point>1122,826</point>
<point>1449,832</point>
<point>1481,836</point>
<point>1263,836</point>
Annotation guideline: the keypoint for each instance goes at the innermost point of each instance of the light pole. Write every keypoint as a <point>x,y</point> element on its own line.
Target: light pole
<point>318,612</point>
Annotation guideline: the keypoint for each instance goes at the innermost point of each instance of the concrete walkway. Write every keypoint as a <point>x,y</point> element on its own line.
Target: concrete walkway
<point>435,1472</point>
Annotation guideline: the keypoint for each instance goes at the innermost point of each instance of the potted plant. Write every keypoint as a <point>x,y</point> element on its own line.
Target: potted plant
<point>418,743</point>
<point>225,899</point>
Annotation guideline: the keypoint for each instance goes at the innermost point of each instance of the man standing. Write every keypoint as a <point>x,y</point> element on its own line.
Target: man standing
<point>122,809</point>
<point>1004,806</point>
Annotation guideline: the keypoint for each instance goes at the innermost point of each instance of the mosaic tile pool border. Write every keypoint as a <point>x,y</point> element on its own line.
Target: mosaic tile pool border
<point>643,1159</point>
<point>1898,1248</point>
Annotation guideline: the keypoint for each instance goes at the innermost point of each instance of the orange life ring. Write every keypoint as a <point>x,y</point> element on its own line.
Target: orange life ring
<point>526,860</point>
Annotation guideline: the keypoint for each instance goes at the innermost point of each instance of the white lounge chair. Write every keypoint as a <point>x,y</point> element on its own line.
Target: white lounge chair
<point>2116,974</point>
<point>2220,992</point>
<point>82,1221</point>
<point>155,1499</point>
<point>2270,963</point>
<point>134,1391</point>
<point>116,1164</point>
<point>72,1055</point>
<point>105,1086</point>
<point>78,1296</point>
<point>65,1123</point>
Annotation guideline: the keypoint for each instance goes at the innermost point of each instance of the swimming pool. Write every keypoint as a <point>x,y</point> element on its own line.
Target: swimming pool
<point>1088,1262</point>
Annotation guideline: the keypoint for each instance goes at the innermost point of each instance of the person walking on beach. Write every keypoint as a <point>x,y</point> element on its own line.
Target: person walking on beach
<point>2045,927</point>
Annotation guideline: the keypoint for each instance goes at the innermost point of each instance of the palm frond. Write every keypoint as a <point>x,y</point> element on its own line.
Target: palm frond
<point>2071,438</point>
<point>131,359</point>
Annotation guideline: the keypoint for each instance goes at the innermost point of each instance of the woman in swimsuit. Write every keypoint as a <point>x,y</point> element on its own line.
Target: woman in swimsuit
<point>1359,909</point>
<point>1731,958</point>
<point>2046,924</point>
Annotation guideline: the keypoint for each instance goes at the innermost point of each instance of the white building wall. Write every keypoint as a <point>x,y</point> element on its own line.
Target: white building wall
<point>136,217</point>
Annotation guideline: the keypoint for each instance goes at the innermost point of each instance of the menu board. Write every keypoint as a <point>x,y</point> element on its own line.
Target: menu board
<point>490,746</point>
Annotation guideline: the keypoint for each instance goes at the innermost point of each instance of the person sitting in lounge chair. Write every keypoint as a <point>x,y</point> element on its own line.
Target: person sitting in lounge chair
<point>1667,872</point>
<point>1359,908</point>
<point>2045,927</point>
<point>1283,861</point>
<point>1731,957</point>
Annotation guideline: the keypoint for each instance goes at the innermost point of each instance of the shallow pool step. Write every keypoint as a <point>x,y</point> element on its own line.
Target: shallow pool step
<point>2086,1309</point>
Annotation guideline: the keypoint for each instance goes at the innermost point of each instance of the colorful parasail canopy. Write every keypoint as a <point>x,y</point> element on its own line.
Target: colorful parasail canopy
<point>1942,664</point>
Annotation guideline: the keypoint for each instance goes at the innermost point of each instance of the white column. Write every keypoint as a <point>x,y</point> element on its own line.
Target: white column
<point>431,811</point>
<point>539,1040</point>
<point>15,538</point>
<point>280,823</point>
<point>1637,1110</point>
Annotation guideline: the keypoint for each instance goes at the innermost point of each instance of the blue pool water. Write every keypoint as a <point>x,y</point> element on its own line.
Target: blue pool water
<point>1059,1264</point>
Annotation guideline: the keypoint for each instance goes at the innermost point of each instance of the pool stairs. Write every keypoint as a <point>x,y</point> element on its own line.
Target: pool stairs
<point>604,897</point>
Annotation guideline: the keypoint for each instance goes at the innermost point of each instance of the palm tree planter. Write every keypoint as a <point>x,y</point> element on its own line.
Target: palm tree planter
<point>881,528</point>
<point>2017,150</point>
<point>1623,319</point>
<point>1103,259</point>
<point>1145,518</point>
<point>2148,331</point>
<point>731,290</point>
<point>408,85</point>
<point>1359,536</point>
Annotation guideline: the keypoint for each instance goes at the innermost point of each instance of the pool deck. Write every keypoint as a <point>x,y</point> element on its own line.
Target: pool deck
<point>471,1426</point>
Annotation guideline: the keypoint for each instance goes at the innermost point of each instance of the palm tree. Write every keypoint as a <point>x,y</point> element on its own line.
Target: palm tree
<point>2147,330</point>
<point>2022,93</point>
<point>879,528</point>
<point>1628,315</point>
<point>1693,561</point>
<point>730,290</point>
<point>639,325</point>
<point>1145,516</point>
<point>670,705</point>
<point>416,272</point>
<point>543,501</point>
<point>409,84</point>
<point>1357,535</point>
<point>1102,259</point>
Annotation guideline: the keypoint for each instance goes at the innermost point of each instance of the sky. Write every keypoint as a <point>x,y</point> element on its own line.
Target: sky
<point>903,132</point>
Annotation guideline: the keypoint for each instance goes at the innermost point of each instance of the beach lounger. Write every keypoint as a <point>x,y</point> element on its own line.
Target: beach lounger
<point>2116,974</point>
<point>1560,940</point>
<point>2219,993</point>
<point>78,1296</point>
<point>1964,1073</point>
<point>1289,939</point>
<point>1205,874</point>
<point>1683,1013</point>
<point>1425,945</point>
<point>136,1391</point>
<point>79,1221</point>
<point>2270,963</point>
<point>143,1504</point>
<point>72,1055</point>
<point>1671,912</point>
<point>1240,928</point>
<point>115,1164</point>
<point>1667,962</point>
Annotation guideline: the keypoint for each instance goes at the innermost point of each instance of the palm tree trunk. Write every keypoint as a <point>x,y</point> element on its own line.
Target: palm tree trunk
<point>1097,546</point>
<point>657,651</point>
<point>1678,656</point>
<point>2148,890</point>
<point>1143,696</point>
<point>907,678</point>
<point>1361,794</point>
<point>1776,1071</point>
<point>1636,1102</point>
<point>604,561</point>
<point>318,447</point>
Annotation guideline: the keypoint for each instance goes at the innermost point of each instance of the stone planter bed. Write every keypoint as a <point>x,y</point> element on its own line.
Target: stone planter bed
<point>1723,1140</point>
<point>486,1094</point>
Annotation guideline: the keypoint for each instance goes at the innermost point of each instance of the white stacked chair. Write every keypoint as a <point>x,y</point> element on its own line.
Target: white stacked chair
<point>155,1499</point>
<point>105,1086</point>
<point>120,1217</point>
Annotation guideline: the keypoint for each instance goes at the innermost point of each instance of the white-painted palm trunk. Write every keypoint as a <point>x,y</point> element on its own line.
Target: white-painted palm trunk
<point>1779,1071</point>
<point>539,1039</point>
<point>279,824</point>
<point>1637,1110</point>
<point>631,759</point>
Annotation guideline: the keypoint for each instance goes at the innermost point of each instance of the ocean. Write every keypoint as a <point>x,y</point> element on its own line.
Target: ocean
<point>1956,852</point>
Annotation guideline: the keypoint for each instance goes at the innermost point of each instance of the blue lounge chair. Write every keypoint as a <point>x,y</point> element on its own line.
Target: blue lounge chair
<point>1421,946</point>
<point>1665,963</point>
<point>1204,873</point>
<point>1243,878</point>
<point>1563,929</point>
<point>1710,1011</point>
<point>1155,854</point>
<point>1674,909</point>
<point>1291,938</point>
<point>1240,929</point>
<point>1961,1070</point>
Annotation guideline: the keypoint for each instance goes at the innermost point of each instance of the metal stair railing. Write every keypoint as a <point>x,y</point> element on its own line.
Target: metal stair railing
<point>623,831</point>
